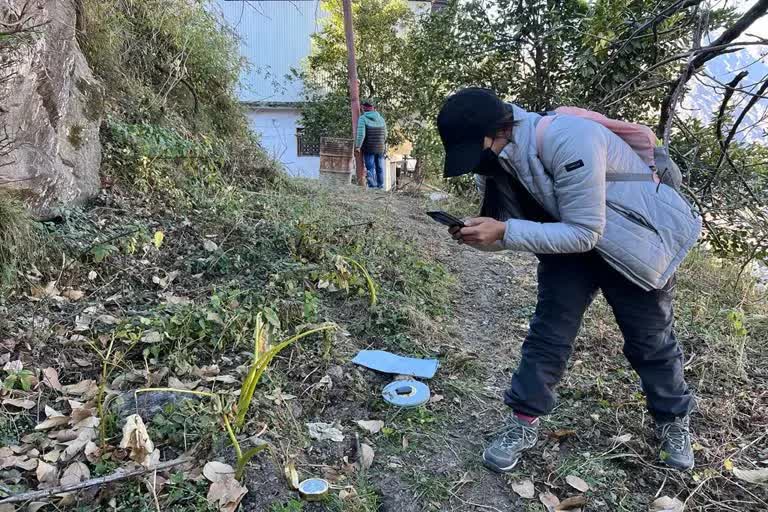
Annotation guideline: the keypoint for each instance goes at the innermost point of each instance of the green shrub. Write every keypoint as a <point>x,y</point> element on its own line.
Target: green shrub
<point>21,240</point>
<point>165,60</point>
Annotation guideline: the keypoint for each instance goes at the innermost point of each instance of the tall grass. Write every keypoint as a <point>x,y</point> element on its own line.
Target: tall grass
<point>21,240</point>
<point>725,316</point>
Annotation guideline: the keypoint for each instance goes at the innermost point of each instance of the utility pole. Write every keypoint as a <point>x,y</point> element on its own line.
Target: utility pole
<point>354,88</point>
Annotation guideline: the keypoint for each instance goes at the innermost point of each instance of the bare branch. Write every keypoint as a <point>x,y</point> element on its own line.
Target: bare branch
<point>731,134</point>
<point>730,88</point>
<point>758,10</point>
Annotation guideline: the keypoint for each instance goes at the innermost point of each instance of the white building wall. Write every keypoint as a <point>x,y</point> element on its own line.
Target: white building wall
<point>277,129</point>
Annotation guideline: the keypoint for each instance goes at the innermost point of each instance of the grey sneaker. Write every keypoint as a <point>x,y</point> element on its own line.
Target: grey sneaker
<point>676,450</point>
<point>505,451</point>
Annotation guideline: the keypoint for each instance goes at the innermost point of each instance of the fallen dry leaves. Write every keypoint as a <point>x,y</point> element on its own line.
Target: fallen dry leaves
<point>47,475</point>
<point>21,403</point>
<point>225,492</point>
<point>524,489</point>
<point>75,473</point>
<point>577,483</point>
<point>372,426</point>
<point>51,379</point>
<point>136,440</point>
<point>753,476</point>
<point>549,500</point>
<point>366,456</point>
<point>666,504</point>
<point>325,431</point>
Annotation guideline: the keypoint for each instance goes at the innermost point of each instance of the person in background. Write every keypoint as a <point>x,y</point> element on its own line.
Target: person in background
<point>583,201</point>
<point>372,141</point>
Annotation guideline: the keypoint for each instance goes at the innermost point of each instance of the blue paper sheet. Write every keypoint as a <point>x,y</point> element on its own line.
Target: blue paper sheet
<point>387,362</point>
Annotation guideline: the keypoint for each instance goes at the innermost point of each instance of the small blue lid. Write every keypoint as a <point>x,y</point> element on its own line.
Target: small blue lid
<point>406,393</point>
<point>313,486</point>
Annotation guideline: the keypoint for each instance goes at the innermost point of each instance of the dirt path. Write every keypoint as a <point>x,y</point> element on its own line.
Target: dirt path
<point>480,347</point>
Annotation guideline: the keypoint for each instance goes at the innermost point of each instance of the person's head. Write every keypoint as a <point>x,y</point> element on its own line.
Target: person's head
<point>470,122</point>
<point>368,105</point>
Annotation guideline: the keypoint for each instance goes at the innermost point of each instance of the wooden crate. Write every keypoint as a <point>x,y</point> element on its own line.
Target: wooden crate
<point>337,159</point>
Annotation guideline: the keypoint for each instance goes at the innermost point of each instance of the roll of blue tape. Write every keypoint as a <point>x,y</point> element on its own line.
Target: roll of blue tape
<point>406,393</point>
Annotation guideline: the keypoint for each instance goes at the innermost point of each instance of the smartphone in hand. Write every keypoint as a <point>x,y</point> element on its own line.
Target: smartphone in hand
<point>446,218</point>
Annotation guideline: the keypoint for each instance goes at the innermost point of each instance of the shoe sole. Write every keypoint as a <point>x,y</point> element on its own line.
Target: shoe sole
<point>677,468</point>
<point>496,469</point>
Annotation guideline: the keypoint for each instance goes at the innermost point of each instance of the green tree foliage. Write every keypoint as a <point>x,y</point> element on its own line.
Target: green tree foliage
<point>381,54</point>
<point>170,70</point>
<point>165,59</point>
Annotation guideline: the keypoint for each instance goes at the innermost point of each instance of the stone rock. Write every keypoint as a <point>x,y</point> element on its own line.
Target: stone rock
<point>50,109</point>
<point>147,405</point>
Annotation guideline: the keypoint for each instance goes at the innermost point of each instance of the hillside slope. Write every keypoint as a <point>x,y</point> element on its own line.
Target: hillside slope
<point>179,310</point>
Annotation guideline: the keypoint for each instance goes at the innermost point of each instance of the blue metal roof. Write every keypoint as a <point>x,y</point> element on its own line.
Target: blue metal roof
<point>275,36</point>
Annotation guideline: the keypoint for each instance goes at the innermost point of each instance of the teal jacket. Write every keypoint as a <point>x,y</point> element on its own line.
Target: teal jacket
<point>371,133</point>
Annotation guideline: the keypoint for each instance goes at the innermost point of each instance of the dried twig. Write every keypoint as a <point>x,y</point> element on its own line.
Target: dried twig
<point>93,482</point>
<point>704,55</point>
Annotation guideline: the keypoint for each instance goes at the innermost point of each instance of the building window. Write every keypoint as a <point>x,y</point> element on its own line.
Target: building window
<point>305,147</point>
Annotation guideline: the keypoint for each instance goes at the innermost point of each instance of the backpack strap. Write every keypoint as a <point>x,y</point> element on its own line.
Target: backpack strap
<point>631,176</point>
<point>541,126</point>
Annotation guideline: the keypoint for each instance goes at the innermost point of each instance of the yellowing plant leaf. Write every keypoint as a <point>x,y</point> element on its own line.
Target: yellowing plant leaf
<point>226,494</point>
<point>217,471</point>
<point>292,475</point>
<point>753,476</point>
<point>75,473</point>
<point>136,439</point>
<point>47,475</point>
<point>366,456</point>
<point>666,504</point>
<point>728,464</point>
<point>20,403</point>
<point>158,239</point>
<point>577,483</point>
<point>524,489</point>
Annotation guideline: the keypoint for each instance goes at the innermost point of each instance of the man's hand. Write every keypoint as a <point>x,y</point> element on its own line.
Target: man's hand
<point>479,231</point>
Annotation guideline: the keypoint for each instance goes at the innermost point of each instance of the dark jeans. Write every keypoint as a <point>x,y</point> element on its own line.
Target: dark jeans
<point>567,285</point>
<point>374,164</point>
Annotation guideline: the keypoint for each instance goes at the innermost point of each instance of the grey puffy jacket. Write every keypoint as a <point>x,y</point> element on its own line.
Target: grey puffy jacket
<point>642,229</point>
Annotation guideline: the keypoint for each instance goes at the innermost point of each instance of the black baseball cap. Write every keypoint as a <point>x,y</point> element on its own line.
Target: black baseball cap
<point>463,122</point>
